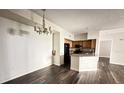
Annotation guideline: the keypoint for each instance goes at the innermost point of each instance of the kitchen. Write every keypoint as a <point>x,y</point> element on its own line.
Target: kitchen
<point>80,53</point>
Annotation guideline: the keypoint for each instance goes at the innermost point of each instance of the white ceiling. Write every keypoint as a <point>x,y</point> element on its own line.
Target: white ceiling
<point>84,20</point>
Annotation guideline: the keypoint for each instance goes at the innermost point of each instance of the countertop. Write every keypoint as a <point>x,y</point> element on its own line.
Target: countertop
<point>84,55</point>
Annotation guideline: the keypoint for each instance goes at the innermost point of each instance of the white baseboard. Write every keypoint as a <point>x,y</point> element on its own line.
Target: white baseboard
<point>105,56</point>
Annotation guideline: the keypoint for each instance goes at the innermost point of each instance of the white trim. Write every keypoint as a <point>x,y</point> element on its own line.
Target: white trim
<point>56,64</point>
<point>74,69</point>
<point>105,56</point>
<point>95,69</point>
<point>116,30</point>
<point>116,63</point>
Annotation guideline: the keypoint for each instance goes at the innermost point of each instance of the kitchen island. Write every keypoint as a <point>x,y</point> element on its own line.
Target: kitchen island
<point>84,62</point>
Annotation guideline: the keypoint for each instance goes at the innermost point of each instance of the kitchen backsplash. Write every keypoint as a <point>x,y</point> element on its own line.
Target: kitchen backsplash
<point>82,50</point>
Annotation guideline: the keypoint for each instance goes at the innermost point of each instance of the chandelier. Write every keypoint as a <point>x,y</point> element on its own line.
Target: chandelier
<point>43,29</point>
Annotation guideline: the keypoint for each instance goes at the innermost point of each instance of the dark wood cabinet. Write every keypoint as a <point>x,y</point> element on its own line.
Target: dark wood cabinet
<point>84,43</point>
<point>74,43</point>
<point>87,44</point>
<point>81,43</point>
<point>93,43</point>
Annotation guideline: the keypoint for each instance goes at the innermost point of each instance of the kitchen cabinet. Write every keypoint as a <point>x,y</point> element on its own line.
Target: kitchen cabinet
<point>80,43</point>
<point>75,43</point>
<point>83,63</point>
<point>83,43</point>
<point>87,44</point>
<point>93,43</point>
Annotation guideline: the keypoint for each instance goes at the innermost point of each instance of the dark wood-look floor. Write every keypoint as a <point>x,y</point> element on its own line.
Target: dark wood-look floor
<point>106,74</point>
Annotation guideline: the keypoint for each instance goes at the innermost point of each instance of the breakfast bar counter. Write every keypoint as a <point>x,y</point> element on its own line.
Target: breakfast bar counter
<point>84,62</point>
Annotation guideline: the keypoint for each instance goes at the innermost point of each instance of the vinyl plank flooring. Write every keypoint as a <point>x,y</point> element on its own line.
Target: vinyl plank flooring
<point>106,74</point>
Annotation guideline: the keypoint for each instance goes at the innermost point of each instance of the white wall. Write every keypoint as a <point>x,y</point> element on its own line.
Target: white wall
<point>56,47</point>
<point>36,18</point>
<point>68,35</point>
<point>95,35</point>
<point>105,48</point>
<point>20,55</point>
<point>117,51</point>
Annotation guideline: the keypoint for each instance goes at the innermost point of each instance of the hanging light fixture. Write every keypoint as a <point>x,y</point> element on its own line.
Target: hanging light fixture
<point>42,29</point>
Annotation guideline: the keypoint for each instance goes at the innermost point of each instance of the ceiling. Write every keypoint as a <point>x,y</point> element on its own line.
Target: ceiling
<point>84,20</point>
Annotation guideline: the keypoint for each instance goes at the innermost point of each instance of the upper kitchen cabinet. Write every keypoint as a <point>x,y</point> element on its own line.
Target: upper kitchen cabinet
<point>93,43</point>
<point>82,43</point>
<point>87,44</point>
<point>74,43</point>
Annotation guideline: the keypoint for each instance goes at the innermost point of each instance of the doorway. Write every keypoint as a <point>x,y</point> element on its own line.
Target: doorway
<point>105,51</point>
<point>56,48</point>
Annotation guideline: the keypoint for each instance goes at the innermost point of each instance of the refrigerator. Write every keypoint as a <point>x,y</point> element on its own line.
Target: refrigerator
<point>66,55</point>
